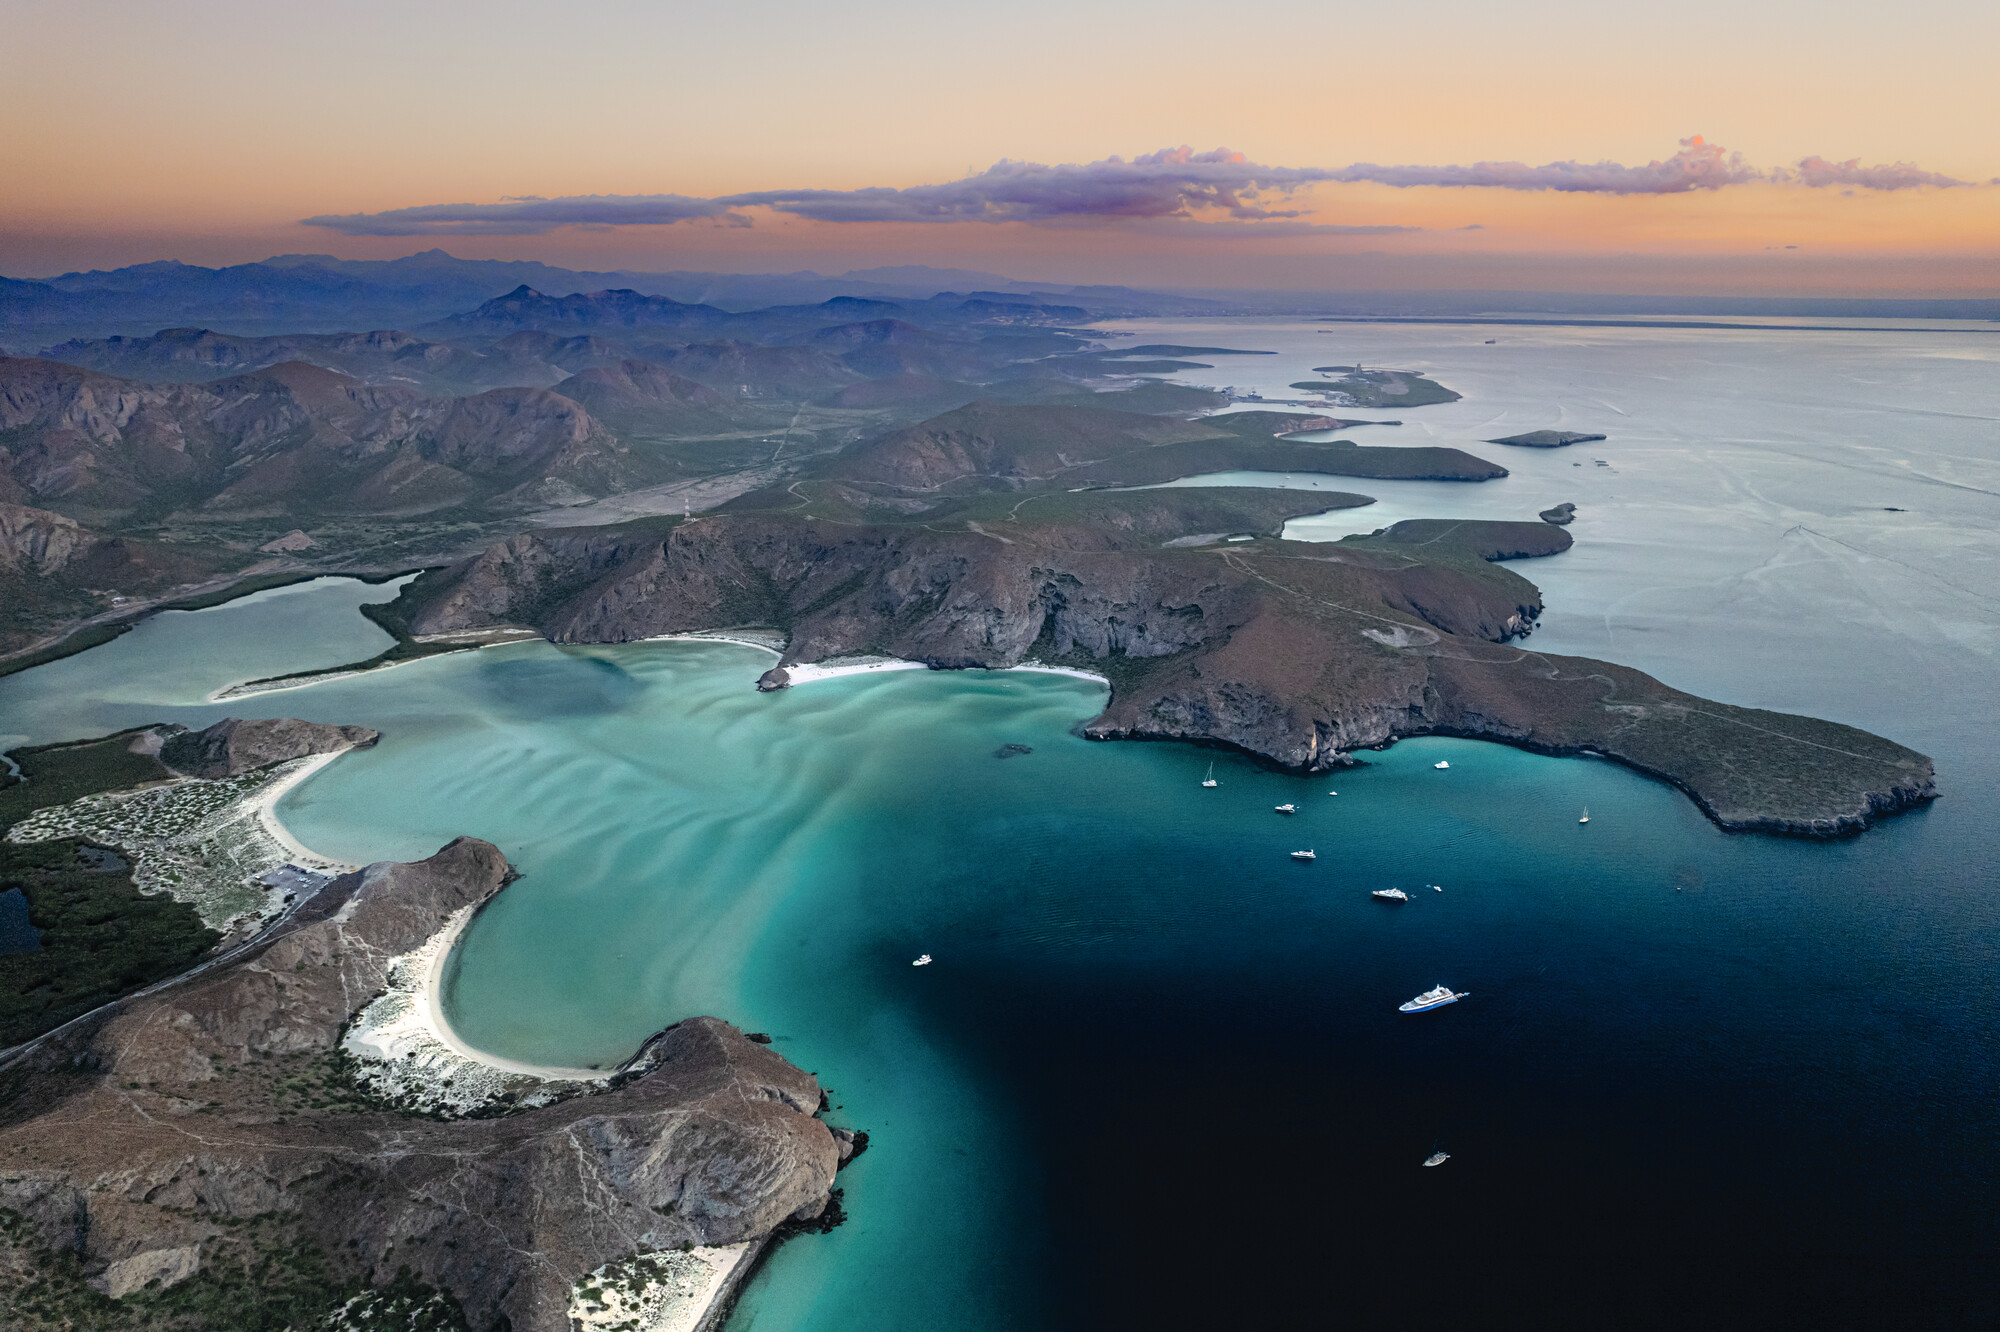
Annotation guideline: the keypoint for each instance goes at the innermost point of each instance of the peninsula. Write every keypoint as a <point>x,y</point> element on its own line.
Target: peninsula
<point>1300,653</point>
<point>241,1166</point>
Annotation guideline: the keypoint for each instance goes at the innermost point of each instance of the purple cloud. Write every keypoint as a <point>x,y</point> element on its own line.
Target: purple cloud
<point>1820,173</point>
<point>1175,185</point>
<point>1697,166</point>
<point>1175,182</point>
<point>528,216</point>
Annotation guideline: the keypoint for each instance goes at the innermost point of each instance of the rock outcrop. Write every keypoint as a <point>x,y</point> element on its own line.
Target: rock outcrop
<point>232,746</point>
<point>1547,439</point>
<point>35,541</point>
<point>200,1143</point>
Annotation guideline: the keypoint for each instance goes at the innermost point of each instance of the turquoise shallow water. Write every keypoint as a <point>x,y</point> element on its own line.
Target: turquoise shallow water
<point>1149,1037</point>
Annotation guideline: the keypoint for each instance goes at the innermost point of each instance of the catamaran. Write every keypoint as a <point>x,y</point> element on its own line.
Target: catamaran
<point>922,961</point>
<point>1430,999</point>
<point>1287,809</point>
<point>1210,779</point>
<point>1391,894</point>
<point>1303,855</point>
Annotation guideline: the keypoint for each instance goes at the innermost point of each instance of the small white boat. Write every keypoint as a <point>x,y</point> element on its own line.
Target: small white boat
<point>1391,894</point>
<point>923,961</point>
<point>1437,887</point>
<point>1430,999</point>
<point>1440,764</point>
<point>1304,855</point>
<point>1437,1158</point>
<point>1586,815</point>
<point>1210,779</point>
<point>1333,793</point>
<point>1287,809</point>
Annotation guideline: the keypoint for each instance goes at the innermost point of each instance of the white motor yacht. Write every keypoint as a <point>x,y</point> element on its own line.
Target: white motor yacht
<point>1437,1158</point>
<point>1391,894</point>
<point>1288,809</point>
<point>1304,855</point>
<point>1441,764</point>
<point>922,961</point>
<point>1430,999</point>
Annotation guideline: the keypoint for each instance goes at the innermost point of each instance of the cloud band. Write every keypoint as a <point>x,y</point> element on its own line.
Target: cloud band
<point>1174,184</point>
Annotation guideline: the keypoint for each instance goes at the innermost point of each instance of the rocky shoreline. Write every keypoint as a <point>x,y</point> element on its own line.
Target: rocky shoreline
<point>1298,653</point>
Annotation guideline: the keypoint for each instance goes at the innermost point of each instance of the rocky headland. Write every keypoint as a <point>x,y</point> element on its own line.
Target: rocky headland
<point>1299,653</point>
<point>232,1155</point>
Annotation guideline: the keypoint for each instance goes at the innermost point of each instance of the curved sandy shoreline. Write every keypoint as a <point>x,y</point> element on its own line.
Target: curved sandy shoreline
<point>438,1028</point>
<point>266,806</point>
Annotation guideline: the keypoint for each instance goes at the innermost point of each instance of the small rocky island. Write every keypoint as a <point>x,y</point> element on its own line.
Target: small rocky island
<point>1547,439</point>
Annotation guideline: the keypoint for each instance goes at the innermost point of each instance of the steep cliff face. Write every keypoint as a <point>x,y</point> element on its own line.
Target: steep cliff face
<point>196,1128</point>
<point>35,541</point>
<point>1300,653</point>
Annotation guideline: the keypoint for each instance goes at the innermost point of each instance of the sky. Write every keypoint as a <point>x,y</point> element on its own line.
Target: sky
<point>1826,148</point>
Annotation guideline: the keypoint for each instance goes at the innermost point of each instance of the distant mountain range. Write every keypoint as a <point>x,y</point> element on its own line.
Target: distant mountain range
<point>321,294</point>
<point>316,293</point>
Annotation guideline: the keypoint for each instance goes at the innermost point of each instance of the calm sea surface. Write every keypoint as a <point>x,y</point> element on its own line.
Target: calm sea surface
<point>1156,1075</point>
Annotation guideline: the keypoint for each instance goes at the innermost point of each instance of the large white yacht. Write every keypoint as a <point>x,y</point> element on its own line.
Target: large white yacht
<point>1437,1158</point>
<point>1430,999</point>
<point>923,961</point>
<point>1304,855</point>
<point>1287,809</point>
<point>1391,894</point>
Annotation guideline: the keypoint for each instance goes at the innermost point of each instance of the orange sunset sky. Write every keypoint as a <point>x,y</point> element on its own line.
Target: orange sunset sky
<point>208,132</point>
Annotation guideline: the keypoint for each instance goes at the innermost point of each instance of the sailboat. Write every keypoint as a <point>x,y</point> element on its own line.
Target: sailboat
<point>1586,815</point>
<point>1210,779</point>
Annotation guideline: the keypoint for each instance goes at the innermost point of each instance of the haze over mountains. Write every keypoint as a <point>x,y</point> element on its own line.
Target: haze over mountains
<point>303,293</point>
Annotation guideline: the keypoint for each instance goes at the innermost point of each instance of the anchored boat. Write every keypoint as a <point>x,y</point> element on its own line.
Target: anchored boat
<point>1391,894</point>
<point>1287,809</point>
<point>1437,1158</point>
<point>923,961</point>
<point>1303,855</point>
<point>1210,779</point>
<point>1430,999</point>
<point>1441,764</point>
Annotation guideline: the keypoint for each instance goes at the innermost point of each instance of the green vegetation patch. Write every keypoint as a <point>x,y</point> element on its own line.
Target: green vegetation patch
<point>257,1276</point>
<point>100,936</point>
